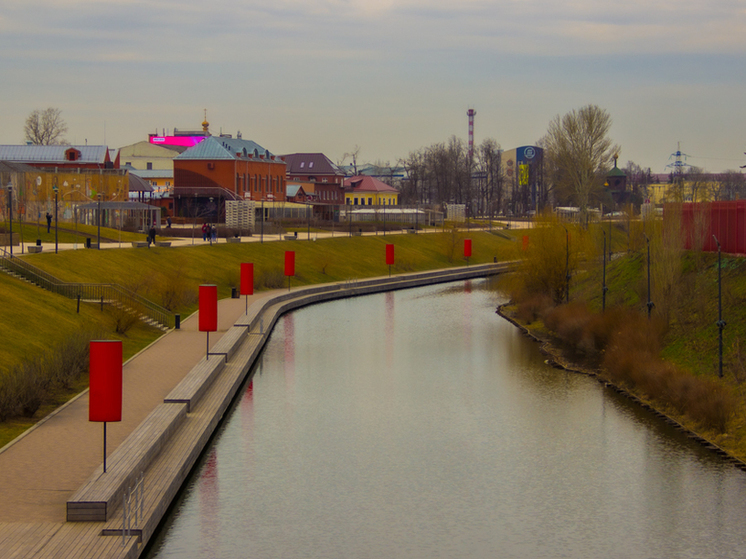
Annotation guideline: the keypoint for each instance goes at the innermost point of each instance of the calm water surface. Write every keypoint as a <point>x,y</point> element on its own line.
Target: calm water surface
<point>420,424</point>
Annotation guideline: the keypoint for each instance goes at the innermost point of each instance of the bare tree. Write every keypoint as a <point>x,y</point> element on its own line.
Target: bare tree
<point>414,168</point>
<point>730,185</point>
<point>45,127</point>
<point>353,155</point>
<point>578,148</point>
<point>490,177</point>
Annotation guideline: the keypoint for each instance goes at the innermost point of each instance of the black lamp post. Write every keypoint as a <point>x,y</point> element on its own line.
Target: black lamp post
<point>56,192</point>
<point>384,217</point>
<point>98,213</point>
<point>567,266</point>
<point>10,215</point>
<point>310,211</point>
<point>604,289</point>
<point>720,322</point>
<point>650,303</point>
<point>216,224</point>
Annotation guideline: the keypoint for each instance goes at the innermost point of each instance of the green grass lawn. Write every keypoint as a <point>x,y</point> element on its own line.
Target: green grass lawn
<point>67,232</point>
<point>32,319</point>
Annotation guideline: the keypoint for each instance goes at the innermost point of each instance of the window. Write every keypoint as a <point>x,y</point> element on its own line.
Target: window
<point>370,201</point>
<point>310,165</point>
<point>168,183</point>
<point>302,164</point>
<point>356,201</point>
<point>150,166</point>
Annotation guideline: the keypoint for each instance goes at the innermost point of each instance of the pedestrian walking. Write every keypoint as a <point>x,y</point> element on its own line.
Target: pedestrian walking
<point>49,221</point>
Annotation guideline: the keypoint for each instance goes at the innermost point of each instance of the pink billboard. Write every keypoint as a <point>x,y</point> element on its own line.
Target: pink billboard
<point>183,141</point>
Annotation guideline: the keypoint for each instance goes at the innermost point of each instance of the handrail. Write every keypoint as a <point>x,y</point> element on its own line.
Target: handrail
<point>112,293</point>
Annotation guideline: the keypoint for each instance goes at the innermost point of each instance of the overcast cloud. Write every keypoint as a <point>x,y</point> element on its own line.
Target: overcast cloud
<point>389,76</point>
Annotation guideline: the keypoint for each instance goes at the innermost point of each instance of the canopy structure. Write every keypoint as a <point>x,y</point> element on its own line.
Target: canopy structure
<point>114,214</point>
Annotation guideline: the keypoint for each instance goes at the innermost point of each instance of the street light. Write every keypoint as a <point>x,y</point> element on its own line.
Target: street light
<point>56,191</point>
<point>720,322</point>
<point>604,289</point>
<point>211,229</point>
<point>650,304</point>
<point>98,211</point>
<point>384,218</point>
<point>567,266</point>
<point>10,215</point>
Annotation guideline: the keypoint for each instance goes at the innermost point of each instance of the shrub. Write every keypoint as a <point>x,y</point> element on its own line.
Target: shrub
<point>172,290</point>
<point>270,278</point>
<point>632,359</point>
<point>123,317</point>
<point>69,361</point>
<point>27,386</point>
<point>533,306</point>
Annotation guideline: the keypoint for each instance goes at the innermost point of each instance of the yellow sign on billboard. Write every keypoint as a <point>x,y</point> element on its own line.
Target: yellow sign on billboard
<point>523,175</point>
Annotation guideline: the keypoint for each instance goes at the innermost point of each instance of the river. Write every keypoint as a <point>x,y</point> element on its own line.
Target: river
<point>420,424</point>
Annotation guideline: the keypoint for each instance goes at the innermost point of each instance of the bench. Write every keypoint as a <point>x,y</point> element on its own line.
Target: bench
<point>229,342</point>
<point>102,493</point>
<point>139,244</point>
<point>194,385</point>
<point>233,239</point>
<point>34,248</point>
<point>164,244</point>
<point>292,237</point>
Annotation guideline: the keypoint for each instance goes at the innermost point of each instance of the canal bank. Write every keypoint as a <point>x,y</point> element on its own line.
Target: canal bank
<point>163,448</point>
<point>555,360</point>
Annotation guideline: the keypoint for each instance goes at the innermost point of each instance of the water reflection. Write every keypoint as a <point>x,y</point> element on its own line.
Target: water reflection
<point>420,424</point>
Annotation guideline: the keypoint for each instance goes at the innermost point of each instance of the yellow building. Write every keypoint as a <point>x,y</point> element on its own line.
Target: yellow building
<point>684,191</point>
<point>364,190</point>
<point>35,190</point>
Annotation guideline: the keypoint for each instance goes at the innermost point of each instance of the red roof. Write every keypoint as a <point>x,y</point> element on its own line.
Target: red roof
<point>364,183</point>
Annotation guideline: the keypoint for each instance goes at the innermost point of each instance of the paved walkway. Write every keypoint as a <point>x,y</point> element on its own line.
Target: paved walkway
<point>302,236</point>
<point>41,469</point>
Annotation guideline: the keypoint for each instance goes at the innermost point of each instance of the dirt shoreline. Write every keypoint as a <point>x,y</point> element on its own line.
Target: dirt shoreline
<point>556,361</point>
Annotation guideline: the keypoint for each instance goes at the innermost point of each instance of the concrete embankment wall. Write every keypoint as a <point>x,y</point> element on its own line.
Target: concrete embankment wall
<point>163,449</point>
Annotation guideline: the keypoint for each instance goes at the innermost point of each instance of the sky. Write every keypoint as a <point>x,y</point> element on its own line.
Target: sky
<point>386,76</point>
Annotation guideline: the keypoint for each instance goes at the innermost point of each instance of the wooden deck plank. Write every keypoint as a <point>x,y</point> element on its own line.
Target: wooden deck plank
<point>131,457</point>
<point>229,342</point>
<point>194,385</point>
<point>29,538</point>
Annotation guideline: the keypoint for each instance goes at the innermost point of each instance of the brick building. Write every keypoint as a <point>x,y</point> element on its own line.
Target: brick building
<point>223,168</point>
<point>326,177</point>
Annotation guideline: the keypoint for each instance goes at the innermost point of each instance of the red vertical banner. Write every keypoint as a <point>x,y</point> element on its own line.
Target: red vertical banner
<point>525,242</point>
<point>467,248</point>
<point>208,308</point>
<point>389,255</point>
<point>289,263</point>
<point>247,278</point>
<point>105,396</point>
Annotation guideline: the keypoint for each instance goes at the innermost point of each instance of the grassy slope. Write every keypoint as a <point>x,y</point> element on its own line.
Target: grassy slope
<point>692,339</point>
<point>31,318</point>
